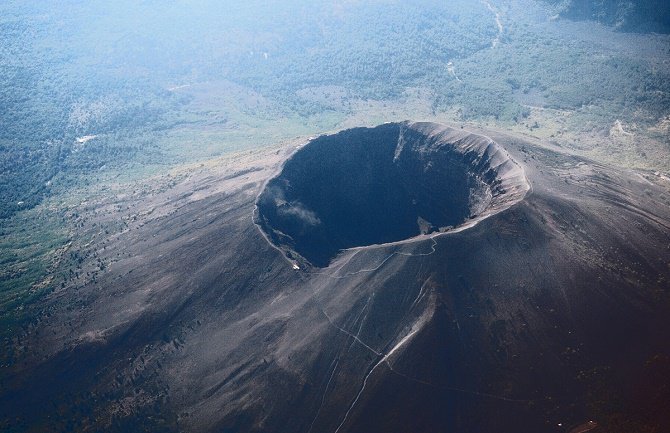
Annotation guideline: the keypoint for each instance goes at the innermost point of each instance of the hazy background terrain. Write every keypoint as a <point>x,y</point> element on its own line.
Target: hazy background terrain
<point>121,99</point>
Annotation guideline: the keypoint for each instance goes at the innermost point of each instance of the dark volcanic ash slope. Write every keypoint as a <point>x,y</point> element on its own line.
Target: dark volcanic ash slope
<point>542,314</point>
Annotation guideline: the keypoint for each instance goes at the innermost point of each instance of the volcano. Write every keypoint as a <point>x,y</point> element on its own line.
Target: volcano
<point>409,277</point>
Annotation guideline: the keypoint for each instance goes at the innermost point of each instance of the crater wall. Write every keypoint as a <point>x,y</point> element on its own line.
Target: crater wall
<point>367,186</point>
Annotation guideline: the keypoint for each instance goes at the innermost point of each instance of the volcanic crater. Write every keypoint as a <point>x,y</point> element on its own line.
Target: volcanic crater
<point>394,182</point>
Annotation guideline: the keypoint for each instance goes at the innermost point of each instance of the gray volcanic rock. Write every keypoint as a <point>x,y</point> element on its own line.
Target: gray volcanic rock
<point>548,311</point>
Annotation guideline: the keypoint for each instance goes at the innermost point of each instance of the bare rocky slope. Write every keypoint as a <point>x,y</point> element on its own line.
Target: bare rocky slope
<point>544,312</point>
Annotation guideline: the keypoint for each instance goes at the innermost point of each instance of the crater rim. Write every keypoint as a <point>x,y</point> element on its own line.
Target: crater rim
<point>488,161</point>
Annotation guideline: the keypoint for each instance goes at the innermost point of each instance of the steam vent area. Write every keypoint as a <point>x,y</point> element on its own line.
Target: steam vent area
<point>397,181</point>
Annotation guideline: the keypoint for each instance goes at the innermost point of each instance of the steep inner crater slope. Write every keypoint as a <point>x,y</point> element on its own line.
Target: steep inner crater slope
<point>367,186</point>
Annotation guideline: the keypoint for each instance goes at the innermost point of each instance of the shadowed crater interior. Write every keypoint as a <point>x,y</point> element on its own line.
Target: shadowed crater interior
<point>366,186</point>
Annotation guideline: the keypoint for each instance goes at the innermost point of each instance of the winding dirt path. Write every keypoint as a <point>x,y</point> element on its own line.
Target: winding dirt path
<point>496,13</point>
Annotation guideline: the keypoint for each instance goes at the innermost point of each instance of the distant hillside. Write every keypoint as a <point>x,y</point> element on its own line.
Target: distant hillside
<point>641,16</point>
